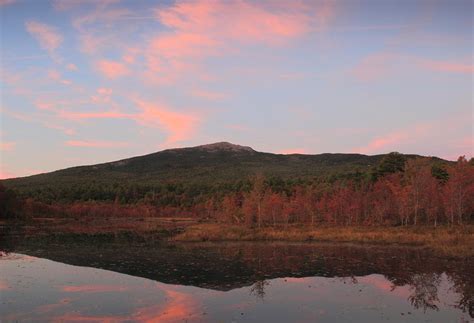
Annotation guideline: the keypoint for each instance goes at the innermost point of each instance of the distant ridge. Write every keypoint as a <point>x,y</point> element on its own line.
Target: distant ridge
<point>220,164</point>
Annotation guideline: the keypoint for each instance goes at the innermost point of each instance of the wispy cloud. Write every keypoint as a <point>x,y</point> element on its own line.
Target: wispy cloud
<point>209,95</point>
<point>179,126</point>
<point>446,66</point>
<point>102,95</point>
<point>112,69</point>
<point>72,67</point>
<point>6,2</point>
<point>56,76</point>
<point>47,36</point>
<point>381,65</point>
<point>7,145</point>
<point>199,29</point>
<point>45,122</point>
<point>239,20</point>
<point>422,134</point>
<point>375,66</point>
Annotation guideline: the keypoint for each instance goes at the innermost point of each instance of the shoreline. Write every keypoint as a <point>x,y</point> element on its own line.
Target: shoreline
<point>448,241</point>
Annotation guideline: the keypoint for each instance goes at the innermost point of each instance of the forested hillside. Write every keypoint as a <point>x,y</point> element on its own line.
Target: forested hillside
<point>234,184</point>
<point>176,176</point>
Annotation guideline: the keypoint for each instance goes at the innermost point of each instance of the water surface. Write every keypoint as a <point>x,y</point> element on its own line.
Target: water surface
<point>232,282</point>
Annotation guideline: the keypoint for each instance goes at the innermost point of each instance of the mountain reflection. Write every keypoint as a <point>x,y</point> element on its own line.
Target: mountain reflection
<point>412,273</point>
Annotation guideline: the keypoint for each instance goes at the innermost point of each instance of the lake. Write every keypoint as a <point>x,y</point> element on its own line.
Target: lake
<point>116,281</point>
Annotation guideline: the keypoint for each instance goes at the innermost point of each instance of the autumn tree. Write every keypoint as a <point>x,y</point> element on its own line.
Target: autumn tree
<point>459,190</point>
<point>231,208</point>
<point>418,177</point>
<point>272,206</point>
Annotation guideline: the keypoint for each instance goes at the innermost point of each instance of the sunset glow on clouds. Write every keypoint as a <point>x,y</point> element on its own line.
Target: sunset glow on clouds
<point>124,78</point>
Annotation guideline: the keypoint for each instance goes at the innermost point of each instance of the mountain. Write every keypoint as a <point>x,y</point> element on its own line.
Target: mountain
<point>206,165</point>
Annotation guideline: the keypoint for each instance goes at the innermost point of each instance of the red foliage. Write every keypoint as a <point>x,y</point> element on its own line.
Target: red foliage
<point>409,198</point>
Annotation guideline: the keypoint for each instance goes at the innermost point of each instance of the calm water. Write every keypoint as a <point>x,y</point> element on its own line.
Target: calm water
<point>232,282</point>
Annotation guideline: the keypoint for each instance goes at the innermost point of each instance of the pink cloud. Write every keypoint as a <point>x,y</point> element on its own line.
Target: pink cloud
<point>446,66</point>
<point>208,95</point>
<point>44,122</point>
<point>96,144</point>
<point>198,29</point>
<point>380,65</point>
<point>6,2</point>
<point>179,126</point>
<point>172,46</point>
<point>103,95</point>
<point>380,143</point>
<point>240,20</point>
<point>170,55</point>
<point>130,55</point>
<point>104,91</point>
<point>112,69</point>
<point>394,140</point>
<point>77,116</point>
<point>102,14</point>
<point>450,143</point>
<point>375,66</point>
<point>7,145</point>
<point>102,27</point>
<point>72,67</point>
<point>47,36</point>
<point>56,76</point>
<point>90,44</point>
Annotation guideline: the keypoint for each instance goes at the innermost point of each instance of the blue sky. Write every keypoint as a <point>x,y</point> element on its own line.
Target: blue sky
<point>93,81</point>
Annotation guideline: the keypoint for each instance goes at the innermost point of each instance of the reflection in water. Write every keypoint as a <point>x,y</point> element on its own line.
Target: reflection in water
<point>205,282</point>
<point>424,289</point>
<point>258,289</point>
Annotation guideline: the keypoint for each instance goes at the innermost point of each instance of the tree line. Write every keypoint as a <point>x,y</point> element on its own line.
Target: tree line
<point>396,192</point>
<point>409,193</point>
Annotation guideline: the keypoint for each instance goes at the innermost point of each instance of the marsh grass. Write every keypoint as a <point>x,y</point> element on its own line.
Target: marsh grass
<point>455,241</point>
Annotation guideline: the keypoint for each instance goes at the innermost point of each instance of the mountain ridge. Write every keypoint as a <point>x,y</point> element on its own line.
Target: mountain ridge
<point>201,168</point>
<point>212,147</point>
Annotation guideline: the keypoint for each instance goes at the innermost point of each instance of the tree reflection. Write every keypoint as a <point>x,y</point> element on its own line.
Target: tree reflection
<point>258,289</point>
<point>227,266</point>
<point>463,284</point>
<point>424,289</point>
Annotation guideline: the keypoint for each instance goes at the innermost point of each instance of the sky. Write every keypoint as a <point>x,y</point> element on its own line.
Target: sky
<point>86,81</point>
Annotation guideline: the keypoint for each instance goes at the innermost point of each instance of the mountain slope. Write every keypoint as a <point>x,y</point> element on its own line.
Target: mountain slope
<point>206,165</point>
